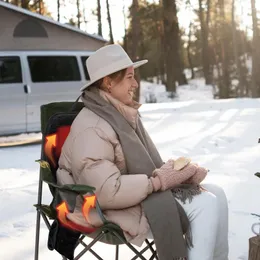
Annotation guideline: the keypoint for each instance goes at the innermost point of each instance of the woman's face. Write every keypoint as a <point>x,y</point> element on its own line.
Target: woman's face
<point>123,90</point>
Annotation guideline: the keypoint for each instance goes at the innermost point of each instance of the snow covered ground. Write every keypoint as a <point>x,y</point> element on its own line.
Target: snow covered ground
<point>221,135</point>
<point>195,90</point>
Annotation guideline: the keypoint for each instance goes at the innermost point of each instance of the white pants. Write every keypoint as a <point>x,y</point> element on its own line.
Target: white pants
<point>208,214</point>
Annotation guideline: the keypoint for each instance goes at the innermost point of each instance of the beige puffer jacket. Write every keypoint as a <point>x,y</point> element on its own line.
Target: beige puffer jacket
<point>92,155</point>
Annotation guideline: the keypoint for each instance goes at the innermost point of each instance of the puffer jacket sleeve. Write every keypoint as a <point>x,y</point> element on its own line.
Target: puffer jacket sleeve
<point>93,164</point>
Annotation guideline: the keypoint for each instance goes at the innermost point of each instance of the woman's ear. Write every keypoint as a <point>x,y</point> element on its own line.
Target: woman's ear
<point>107,82</point>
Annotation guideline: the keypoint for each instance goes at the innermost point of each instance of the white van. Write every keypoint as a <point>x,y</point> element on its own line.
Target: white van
<point>29,79</point>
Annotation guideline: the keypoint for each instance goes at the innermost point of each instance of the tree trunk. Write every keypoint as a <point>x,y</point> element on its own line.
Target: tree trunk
<point>58,10</point>
<point>40,6</point>
<point>136,39</point>
<point>217,78</point>
<point>14,2</point>
<point>179,65</point>
<point>204,24</point>
<point>225,82</point>
<point>255,53</point>
<point>99,18</point>
<point>240,89</point>
<point>254,248</point>
<point>78,13</point>
<point>136,29</point>
<point>178,61</point>
<point>109,23</point>
<point>25,4</point>
<point>189,54</point>
<point>125,39</point>
<point>162,61</point>
<point>162,58</point>
<point>171,47</point>
<point>84,15</point>
<point>244,67</point>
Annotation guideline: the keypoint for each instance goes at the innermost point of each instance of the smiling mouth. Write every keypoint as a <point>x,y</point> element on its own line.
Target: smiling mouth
<point>131,93</point>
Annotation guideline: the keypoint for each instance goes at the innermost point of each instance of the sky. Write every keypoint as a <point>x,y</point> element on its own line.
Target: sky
<point>120,7</point>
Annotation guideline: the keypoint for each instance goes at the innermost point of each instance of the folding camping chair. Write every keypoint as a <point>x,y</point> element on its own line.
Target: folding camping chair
<point>56,119</point>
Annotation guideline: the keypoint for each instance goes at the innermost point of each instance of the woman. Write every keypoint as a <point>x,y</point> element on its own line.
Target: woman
<point>108,148</point>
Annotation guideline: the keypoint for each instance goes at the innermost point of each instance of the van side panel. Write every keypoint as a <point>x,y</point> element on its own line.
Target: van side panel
<point>12,95</point>
<point>33,78</point>
<point>52,78</point>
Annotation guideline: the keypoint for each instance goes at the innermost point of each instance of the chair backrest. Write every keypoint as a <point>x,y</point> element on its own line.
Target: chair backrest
<point>56,121</point>
<point>56,133</point>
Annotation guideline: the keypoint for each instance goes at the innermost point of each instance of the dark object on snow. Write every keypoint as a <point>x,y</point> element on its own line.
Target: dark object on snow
<point>254,248</point>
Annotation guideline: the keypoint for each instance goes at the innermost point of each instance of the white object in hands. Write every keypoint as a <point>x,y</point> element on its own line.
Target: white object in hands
<point>180,163</point>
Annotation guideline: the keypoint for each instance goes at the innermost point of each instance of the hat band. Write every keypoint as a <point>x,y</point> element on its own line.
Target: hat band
<point>111,68</point>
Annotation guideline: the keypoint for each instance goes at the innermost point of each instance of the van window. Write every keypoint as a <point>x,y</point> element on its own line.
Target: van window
<point>10,69</point>
<point>83,60</point>
<point>54,68</point>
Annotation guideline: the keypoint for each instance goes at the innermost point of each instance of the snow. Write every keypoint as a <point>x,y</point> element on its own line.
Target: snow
<point>221,135</point>
<point>20,139</point>
<point>195,90</point>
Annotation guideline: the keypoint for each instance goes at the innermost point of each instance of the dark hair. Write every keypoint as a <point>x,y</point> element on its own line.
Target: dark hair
<point>117,76</point>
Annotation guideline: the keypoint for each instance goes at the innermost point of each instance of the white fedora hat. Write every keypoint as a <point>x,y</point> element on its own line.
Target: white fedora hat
<point>107,60</point>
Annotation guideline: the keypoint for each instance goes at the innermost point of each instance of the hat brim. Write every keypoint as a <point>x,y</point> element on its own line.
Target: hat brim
<point>136,65</point>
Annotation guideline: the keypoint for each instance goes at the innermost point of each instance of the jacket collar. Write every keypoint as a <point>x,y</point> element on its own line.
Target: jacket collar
<point>130,113</point>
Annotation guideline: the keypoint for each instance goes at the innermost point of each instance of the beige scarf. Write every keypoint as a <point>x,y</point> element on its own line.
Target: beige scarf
<point>167,219</point>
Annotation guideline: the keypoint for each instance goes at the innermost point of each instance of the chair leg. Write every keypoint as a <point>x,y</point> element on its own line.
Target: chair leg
<point>38,220</point>
<point>90,250</point>
<point>130,246</point>
<point>154,253</point>
<point>117,252</point>
<point>99,236</point>
<point>47,223</point>
<point>37,236</point>
<point>141,252</point>
<point>149,246</point>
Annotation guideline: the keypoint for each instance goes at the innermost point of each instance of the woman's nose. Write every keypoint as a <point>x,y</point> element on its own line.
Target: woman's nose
<point>135,84</point>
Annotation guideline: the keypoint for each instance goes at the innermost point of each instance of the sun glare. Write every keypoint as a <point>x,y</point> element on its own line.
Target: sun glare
<point>243,13</point>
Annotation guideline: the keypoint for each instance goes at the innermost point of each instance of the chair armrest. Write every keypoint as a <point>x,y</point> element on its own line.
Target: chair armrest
<point>47,210</point>
<point>98,208</point>
<point>73,188</point>
<point>77,189</point>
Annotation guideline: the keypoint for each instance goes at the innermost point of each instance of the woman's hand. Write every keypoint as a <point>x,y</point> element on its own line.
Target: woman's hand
<point>174,173</point>
<point>199,176</point>
<point>167,177</point>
